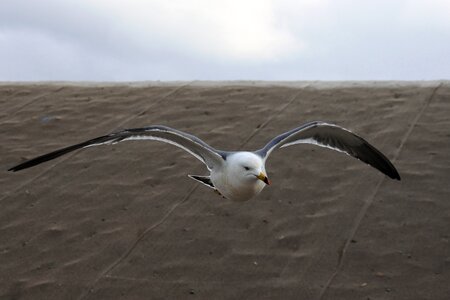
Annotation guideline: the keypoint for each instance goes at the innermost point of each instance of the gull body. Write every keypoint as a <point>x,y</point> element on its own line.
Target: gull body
<point>239,175</point>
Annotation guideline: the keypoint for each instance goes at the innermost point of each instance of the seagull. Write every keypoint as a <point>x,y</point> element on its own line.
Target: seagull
<point>239,175</point>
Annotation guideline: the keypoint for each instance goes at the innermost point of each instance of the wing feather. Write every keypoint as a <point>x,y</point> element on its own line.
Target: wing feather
<point>199,149</point>
<point>336,138</point>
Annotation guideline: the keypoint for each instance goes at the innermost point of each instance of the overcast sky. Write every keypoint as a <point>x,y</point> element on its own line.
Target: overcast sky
<point>112,40</point>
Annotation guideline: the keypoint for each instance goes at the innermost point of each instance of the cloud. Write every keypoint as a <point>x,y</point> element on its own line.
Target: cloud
<point>426,15</point>
<point>224,30</point>
<point>235,39</point>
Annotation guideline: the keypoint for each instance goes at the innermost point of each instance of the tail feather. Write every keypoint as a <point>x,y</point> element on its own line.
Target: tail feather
<point>206,180</point>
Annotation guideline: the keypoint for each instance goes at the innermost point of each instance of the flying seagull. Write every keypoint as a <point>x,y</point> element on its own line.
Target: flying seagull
<point>239,175</point>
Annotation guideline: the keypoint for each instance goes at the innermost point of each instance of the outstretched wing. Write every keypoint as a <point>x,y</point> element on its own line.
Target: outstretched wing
<point>205,153</point>
<point>336,138</point>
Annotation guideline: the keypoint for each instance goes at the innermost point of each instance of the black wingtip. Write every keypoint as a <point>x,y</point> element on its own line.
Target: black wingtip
<point>396,176</point>
<point>18,167</point>
<point>24,165</point>
<point>57,153</point>
<point>389,170</point>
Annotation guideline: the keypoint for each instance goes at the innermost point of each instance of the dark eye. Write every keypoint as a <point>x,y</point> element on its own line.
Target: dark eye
<point>246,168</point>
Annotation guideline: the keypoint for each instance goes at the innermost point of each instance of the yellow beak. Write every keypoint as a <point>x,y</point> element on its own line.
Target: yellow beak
<point>263,178</point>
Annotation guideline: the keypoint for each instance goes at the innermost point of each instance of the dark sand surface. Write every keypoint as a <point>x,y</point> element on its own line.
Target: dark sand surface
<point>125,222</point>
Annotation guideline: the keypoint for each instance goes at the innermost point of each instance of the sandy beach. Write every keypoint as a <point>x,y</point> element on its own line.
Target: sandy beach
<point>125,222</point>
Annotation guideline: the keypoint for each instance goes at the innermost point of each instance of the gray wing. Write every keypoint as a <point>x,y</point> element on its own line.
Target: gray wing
<point>336,138</point>
<point>205,153</point>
